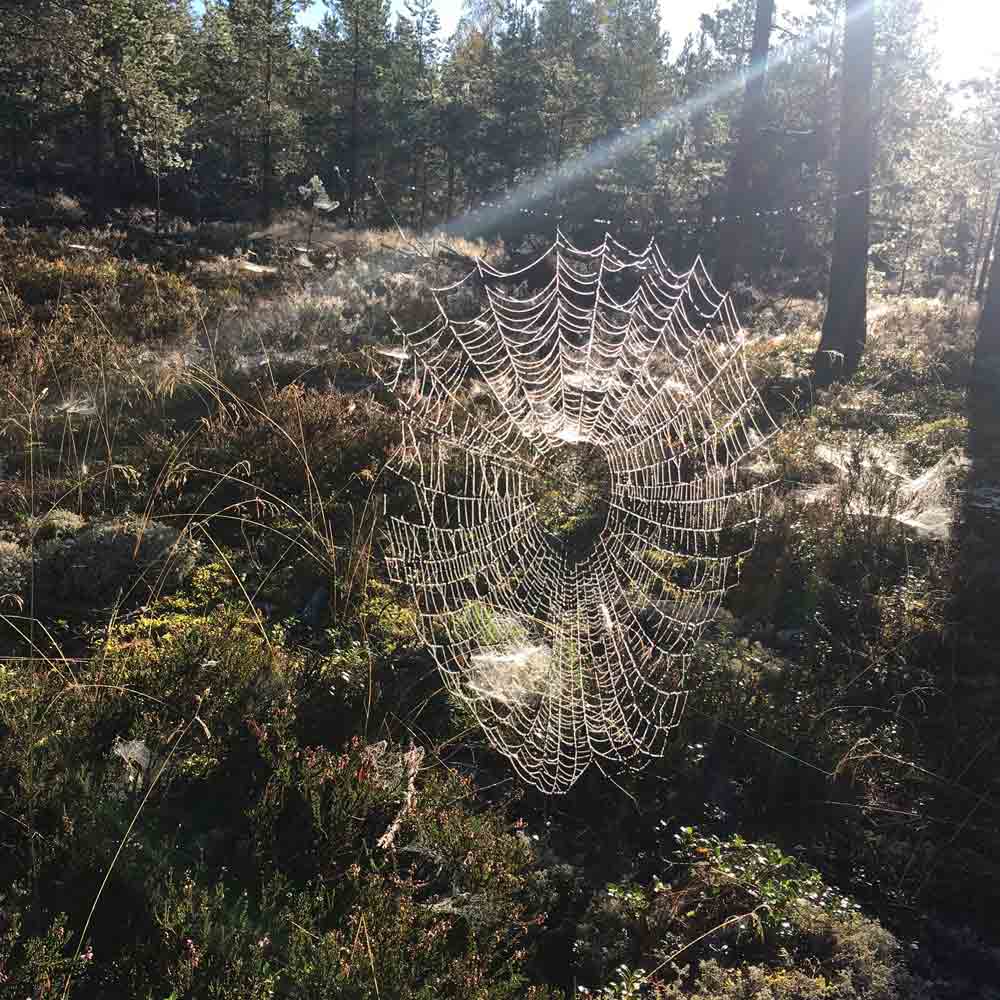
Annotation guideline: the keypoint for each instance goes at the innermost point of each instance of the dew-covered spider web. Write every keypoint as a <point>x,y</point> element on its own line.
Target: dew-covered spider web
<point>573,446</point>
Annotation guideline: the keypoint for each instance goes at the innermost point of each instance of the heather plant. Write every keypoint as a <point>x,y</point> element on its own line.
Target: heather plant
<point>37,964</point>
<point>325,883</point>
<point>15,573</point>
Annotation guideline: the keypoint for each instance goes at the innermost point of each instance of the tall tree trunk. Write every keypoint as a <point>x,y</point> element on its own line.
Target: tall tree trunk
<point>987,359</point>
<point>904,270</point>
<point>738,244</point>
<point>267,152</point>
<point>511,152</point>
<point>979,583</point>
<point>449,206</point>
<point>558,163</point>
<point>99,151</point>
<point>976,587</point>
<point>355,179</point>
<point>991,246</point>
<point>424,193</point>
<point>980,237</point>
<point>845,324</point>
<point>157,174</point>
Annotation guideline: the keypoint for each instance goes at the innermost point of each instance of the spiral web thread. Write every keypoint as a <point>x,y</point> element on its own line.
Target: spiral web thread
<point>566,658</point>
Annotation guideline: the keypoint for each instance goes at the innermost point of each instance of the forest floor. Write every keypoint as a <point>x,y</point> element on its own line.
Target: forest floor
<point>228,768</point>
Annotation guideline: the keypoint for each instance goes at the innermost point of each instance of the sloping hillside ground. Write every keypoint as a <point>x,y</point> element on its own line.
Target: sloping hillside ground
<point>227,767</point>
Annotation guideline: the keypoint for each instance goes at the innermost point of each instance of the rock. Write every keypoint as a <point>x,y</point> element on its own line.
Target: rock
<point>725,621</point>
<point>653,615</point>
<point>790,638</point>
<point>317,608</point>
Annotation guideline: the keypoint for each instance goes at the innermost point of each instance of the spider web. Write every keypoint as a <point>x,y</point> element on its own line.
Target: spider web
<point>570,649</point>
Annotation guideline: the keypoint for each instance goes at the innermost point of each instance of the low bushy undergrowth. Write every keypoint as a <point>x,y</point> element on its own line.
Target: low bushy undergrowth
<point>739,919</point>
<point>105,560</point>
<point>299,869</point>
<point>223,733</point>
<point>50,283</point>
<point>55,525</point>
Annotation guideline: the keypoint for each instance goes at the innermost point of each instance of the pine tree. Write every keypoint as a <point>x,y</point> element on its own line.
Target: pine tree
<point>845,325</point>
<point>359,60</point>
<point>156,90</point>
<point>409,96</point>
<point>516,139</point>
<point>573,66</point>
<point>251,121</point>
<point>426,112</point>
<point>987,359</point>
<point>264,32</point>
<point>47,67</point>
<point>737,242</point>
<point>635,92</point>
<point>467,115</point>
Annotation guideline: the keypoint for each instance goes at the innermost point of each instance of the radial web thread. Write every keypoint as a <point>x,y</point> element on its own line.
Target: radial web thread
<point>565,653</point>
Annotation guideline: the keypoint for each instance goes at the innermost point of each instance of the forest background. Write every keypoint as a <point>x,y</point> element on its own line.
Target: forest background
<point>226,114</point>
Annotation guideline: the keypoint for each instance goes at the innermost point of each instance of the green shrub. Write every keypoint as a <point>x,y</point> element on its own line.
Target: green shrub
<point>441,903</point>
<point>261,866</point>
<point>822,953</point>
<point>928,441</point>
<point>769,882</point>
<point>366,935</point>
<point>729,896</point>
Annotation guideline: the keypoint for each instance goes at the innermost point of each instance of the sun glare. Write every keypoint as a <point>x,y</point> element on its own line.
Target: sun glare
<point>968,36</point>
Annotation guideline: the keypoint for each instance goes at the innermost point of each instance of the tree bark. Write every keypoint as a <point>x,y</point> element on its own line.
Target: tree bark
<point>981,236</point>
<point>737,244</point>
<point>355,178</point>
<point>554,207</point>
<point>845,325</point>
<point>424,193</point>
<point>267,157</point>
<point>991,246</point>
<point>976,576</point>
<point>99,154</point>
<point>449,207</point>
<point>987,358</point>
<point>906,257</point>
